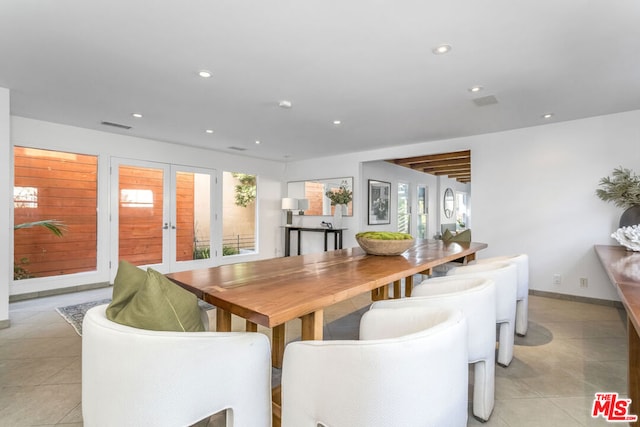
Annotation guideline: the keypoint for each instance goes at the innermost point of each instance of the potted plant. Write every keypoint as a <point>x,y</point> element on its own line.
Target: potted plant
<point>623,189</point>
<point>340,198</point>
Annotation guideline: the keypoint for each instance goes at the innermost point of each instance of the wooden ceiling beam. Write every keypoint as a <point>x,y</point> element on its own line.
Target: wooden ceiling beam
<point>433,157</point>
<point>455,165</point>
<point>455,162</point>
<point>441,169</point>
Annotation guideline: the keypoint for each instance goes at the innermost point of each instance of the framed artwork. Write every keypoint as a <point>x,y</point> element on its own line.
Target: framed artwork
<point>379,201</point>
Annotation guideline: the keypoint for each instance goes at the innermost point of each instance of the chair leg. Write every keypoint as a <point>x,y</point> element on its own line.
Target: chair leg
<point>483,389</point>
<point>522,316</point>
<point>505,345</point>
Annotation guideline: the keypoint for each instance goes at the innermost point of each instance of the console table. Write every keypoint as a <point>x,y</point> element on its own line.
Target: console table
<point>622,267</point>
<point>337,237</point>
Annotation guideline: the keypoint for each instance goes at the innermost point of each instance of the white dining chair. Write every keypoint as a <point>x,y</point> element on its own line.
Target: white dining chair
<point>408,369</point>
<point>476,298</point>
<point>522,298</point>
<point>505,276</point>
<point>137,377</point>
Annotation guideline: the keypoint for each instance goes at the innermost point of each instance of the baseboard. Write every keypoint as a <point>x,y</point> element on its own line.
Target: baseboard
<point>5,323</point>
<point>576,298</point>
<point>60,291</point>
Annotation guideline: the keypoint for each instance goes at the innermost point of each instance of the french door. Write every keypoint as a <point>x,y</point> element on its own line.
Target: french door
<point>162,215</point>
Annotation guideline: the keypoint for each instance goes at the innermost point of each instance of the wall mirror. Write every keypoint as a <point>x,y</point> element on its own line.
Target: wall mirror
<point>316,192</point>
<point>448,203</point>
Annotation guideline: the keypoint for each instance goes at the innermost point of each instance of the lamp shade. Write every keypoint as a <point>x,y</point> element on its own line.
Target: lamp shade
<point>289,203</point>
<point>303,204</point>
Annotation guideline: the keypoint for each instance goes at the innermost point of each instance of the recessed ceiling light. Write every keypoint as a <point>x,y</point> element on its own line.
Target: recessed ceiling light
<point>205,74</point>
<point>257,142</point>
<point>547,116</point>
<point>137,115</point>
<point>475,89</point>
<point>209,131</point>
<point>442,49</point>
<point>337,122</point>
<point>285,104</point>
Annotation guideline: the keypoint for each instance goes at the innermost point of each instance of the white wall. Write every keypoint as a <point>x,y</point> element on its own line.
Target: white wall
<point>46,135</point>
<point>533,192</point>
<point>6,213</point>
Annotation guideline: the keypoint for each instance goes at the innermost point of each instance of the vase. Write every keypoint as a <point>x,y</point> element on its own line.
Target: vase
<point>337,216</point>
<point>630,217</point>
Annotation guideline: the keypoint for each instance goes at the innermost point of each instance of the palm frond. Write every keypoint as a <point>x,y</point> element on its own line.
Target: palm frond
<point>55,226</point>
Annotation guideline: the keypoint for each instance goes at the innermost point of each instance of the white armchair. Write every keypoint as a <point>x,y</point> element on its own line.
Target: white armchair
<point>522,298</point>
<point>136,377</point>
<point>505,276</point>
<point>476,298</point>
<point>409,369</point>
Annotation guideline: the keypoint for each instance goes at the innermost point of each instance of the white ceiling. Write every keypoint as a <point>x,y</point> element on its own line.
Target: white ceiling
<point>368,63</point>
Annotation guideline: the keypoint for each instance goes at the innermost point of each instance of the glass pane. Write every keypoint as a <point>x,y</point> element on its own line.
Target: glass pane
<point>193,213</point>
<point>403,208</point>
<point>422,212</point>
<point>140,215</point>
<point>55,216</point>
<point>239,192</point>
<point>462,213</point>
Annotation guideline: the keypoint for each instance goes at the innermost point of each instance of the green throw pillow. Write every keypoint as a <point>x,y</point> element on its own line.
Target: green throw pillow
<point>157,303</point>
<point>463,236</point>
<point>129,279</point>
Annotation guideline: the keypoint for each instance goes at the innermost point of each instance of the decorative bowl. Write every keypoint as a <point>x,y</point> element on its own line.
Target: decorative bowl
<point>384,247</point>
<point>628,237</point>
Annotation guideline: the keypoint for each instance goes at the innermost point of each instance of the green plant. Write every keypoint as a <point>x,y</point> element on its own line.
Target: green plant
<point>201,253</point>
<point>342,196</point>
<point>56,227</point>
<point>20,272</point>
<point>246,190</point>
<point>229,250</point>
<point>53,225</point>
<point>384,235</point>
<point>622,188</point>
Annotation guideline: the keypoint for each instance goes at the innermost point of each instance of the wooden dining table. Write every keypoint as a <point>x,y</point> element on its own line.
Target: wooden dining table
<point>274,291</point>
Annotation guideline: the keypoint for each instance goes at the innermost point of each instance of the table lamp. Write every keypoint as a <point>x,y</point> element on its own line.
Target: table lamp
<point>289,204</point>
<point>303,205</point>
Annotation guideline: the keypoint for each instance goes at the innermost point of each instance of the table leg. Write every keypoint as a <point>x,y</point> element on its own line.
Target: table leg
<point>326,235</point>
<point>339,239</point>
<point>251,327</point>
<point>312,325</point>
<point>287,241</point>
<point>276,406</point>
<point>470,257</point>
<point>408,286</point>
<point>397,293</point>
<point>223,320</point>
<point>299,242</point>
<point>633,371</point>
<point>380,293</point>
<point>277,345</point>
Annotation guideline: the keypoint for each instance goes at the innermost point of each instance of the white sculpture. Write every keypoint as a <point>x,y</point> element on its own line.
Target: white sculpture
<point>628,237</point>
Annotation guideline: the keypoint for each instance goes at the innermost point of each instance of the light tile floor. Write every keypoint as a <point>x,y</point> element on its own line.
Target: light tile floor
<point>572,350</point>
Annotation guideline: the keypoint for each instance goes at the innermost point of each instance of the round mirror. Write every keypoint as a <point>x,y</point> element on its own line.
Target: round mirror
<point>448,203</point>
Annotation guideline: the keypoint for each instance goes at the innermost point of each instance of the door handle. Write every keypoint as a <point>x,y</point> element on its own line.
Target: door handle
<point>166,226</point>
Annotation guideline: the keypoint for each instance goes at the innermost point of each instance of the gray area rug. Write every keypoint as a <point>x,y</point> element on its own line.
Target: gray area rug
<point>74,314</point>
